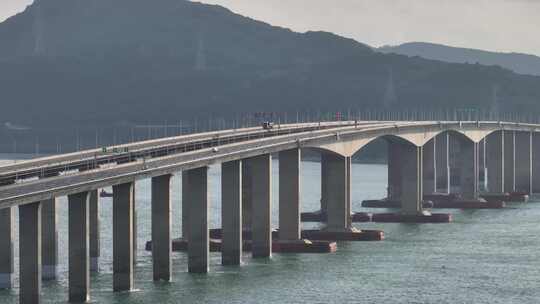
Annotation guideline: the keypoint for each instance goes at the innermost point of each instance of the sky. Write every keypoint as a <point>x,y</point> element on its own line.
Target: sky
<point>496,25</point>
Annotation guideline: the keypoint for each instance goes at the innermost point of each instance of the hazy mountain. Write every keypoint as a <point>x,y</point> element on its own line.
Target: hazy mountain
<point>519,63</point>
<point>79,64</point>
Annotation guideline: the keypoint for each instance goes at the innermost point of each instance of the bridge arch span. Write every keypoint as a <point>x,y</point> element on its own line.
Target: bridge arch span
<point>348,148</point>
<point>474,136</point>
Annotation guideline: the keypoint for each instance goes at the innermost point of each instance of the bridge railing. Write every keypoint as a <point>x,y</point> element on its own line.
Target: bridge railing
<point>42,141</point>
<point>52,166</point>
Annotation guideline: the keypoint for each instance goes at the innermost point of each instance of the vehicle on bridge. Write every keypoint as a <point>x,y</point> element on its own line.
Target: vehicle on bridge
<point>268,125</point>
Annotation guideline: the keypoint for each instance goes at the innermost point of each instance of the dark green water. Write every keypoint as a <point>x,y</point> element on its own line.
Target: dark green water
<point>487,256</point>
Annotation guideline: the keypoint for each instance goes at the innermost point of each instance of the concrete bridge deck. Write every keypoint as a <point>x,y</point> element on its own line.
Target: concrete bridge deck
<point>88,159</point>
<point>419,162</point>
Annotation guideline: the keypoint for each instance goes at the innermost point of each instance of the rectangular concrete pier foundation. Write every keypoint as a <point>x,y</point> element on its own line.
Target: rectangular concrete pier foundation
<point>468,169</point>
<point>411,182</point>
<point>79,247</point>
<point>523,161</point>
<point>7,219</point>
<point>30,253</point>
<point>442,163</point>
<point>231,213</point>
<point>123,237</point>
<point>197,196</point>
<point>429,167</point>
<point>94,230</point>
<point>49,239</point>
<point>338,170</point>
<point>261,208</point>
<point>289,194</point>
<point>161,227</point>
<point>509,161</point>
<point>495,161</point>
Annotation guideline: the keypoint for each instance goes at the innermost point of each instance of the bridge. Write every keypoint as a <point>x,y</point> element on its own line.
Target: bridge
<point>421,156</point>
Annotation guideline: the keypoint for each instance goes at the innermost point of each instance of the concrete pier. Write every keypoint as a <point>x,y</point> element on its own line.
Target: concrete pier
<point>536,163</point>
<point>289,194</point>
<point>231,213</point>
<point>94,230</point>
<point>79,247</point>
<point>338,192</point>
<point>7,251</point>
<point>161,227</point>
<point>442,163</point>
<point>495,161</point>
<point>261,208</point>
<point>123,237</point>
<point>49,239</point>
<point>394,171</point>
<point>185,206</point>
<point>197,196</point>
<point>429,167</point>
<point>454,160</point>
<point>30,253</point>
<point>411,181</point>
<point>324,183</point>
<point>468,180</point>
<point>523,162</point>
<point>482,166</point>
<point>134,223</point>
<point>348,167</point>
<point>509,161</point>
<point>246,195</point>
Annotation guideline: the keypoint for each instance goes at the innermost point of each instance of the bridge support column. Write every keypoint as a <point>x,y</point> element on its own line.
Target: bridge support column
<point>411,181</point>
<point>185,206</point>
<point>495,161</point>
<point>134,224</point>
<point>79,249</point>
<point>536,162</point>
<point>246,195</point>
<point>161,227</point>
<point>468,177</point>
<point>429,167</point>
<point>482,166</point>
<point>324,184</point>
<point>6,252</point>
<point>123,237</point>
<point>49,239</point>
<point>394,171</point>
<point>509,161</point>
<point>94,230</point>
<point>338,192</point>
<point>289,194</point>
<point>261,205</point>
<point>523,161</point>
<point>30,253</point>
<point>442,163</point>
<point>197,196</point>
<point>231,213</point>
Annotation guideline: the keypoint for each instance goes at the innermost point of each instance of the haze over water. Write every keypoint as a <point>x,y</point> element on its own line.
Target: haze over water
<point>484,256</point>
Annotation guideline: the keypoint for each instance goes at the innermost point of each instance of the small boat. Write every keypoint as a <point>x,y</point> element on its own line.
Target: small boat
<point>104,193</point>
